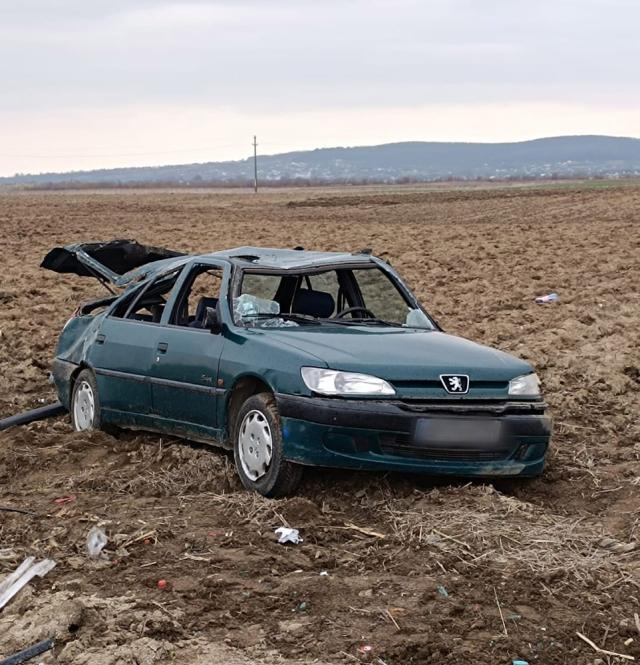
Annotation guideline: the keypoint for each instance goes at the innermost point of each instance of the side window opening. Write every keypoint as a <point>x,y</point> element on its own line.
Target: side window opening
<point>200,293</point>
<point>147,303</point>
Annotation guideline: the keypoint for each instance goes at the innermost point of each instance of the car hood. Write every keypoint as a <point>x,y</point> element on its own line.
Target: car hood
<point>119,262</point>
<point>402,354</point>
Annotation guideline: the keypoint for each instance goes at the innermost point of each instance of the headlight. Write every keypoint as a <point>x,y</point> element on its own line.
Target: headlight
<point>332,382</point>
<point>527,385</point>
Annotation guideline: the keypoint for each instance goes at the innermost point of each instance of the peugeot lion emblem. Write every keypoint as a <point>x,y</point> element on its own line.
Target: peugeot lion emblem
<point>457,384</point>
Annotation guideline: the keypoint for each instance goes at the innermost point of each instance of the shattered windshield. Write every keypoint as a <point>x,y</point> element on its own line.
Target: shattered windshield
<point>343,296</point>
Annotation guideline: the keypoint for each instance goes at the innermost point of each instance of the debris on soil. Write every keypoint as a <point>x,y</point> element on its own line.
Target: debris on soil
<point>288,535</point>
<point>28,653</point>
<point>21,576</point>
<point>550,297</point>
<point>69,498</point>
<point>96,540</point>
<point>41,413</point>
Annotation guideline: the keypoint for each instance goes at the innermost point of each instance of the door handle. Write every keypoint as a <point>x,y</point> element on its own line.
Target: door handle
<point>100,339</point>
<point>162,347</point>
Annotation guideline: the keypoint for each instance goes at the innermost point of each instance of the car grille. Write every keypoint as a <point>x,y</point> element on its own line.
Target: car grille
<point>400,445</point>
<point>483,407</point>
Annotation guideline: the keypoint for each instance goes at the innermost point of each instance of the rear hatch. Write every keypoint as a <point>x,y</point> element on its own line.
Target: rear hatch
<point>118,262</point>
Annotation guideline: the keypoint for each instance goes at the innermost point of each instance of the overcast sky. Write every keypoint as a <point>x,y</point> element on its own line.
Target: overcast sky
<point>93,83</point>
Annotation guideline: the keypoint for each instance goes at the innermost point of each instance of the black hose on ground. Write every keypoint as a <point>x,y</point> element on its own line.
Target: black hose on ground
<point>28,654</point>
<point>41,413</point>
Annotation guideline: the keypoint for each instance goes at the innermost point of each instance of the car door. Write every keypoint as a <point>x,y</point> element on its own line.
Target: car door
<point>184,371</point>
<point>122,352</point>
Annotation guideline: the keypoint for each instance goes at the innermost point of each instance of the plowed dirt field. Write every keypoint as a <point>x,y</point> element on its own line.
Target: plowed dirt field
<point>421,570</point>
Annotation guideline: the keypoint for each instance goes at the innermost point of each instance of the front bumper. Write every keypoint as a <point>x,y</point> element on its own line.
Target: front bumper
<point>456,437</point>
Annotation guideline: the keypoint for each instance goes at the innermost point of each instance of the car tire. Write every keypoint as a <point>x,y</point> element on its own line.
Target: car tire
<point>258,450</point>
<point>84,405</point>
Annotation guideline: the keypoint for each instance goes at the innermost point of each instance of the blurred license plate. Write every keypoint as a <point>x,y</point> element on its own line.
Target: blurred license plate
<point>457,432</point>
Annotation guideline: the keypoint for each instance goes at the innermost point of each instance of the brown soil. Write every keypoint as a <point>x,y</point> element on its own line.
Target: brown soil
<point>525,565</point>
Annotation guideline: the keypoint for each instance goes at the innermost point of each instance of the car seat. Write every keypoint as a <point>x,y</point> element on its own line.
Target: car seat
<point>313,303</point>
<point>201,311</point>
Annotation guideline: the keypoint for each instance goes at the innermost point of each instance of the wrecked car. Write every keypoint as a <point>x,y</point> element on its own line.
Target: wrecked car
<point>290,358</point>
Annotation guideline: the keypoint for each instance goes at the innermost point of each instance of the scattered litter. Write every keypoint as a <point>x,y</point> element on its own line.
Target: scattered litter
<point>324,573</point>
<point>288,535</point>
<point>29,653</point>
<point>21,576</point>
<point>520,662</point>
<point>96,540</point>
<point>365,651</point>
<point>162,584</point>
<point>442,591</point>
<point>65,499</point>
<point>550,297</point>
<point>302,607</point>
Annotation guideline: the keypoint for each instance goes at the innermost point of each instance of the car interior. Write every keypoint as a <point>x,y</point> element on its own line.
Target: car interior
<point>355,294</point>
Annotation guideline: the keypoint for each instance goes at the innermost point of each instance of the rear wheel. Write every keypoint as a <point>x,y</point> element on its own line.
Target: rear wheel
<point>258,449</point>
<point>85,403</point>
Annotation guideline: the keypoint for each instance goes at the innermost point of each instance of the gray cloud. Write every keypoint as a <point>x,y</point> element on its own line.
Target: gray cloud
<point>302,55</point>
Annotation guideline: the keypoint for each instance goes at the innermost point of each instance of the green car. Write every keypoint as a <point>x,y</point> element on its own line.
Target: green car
<point>291,358</point>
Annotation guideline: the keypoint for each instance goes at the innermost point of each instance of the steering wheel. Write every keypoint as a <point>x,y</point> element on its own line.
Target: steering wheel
<point>349,310</point>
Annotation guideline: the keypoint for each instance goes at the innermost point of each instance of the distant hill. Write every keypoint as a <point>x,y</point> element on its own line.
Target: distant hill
<point>416,161</point>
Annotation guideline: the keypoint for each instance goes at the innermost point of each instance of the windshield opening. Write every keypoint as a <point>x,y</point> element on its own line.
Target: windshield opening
<point>344,296</point>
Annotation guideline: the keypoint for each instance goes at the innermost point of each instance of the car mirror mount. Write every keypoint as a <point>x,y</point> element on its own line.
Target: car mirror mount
<point>213,320</point>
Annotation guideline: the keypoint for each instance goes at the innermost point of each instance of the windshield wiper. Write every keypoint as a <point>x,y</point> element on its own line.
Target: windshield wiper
<point>360,322</point>
<point>375,321</point>
<point>264,316</point>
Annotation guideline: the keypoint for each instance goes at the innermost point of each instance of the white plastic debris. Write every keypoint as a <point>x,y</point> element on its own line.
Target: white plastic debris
<point>96,540</point>
<point>21,576</point>
<point>550,297</point>
<point>324,573</point>
<point>288,535</point>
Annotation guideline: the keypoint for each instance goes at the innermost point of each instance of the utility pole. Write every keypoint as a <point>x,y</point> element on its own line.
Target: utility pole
<point>255,165</point>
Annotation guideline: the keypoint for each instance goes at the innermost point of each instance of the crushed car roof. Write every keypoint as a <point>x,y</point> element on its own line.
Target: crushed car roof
<point>123,262</point>
<point>269,257</point>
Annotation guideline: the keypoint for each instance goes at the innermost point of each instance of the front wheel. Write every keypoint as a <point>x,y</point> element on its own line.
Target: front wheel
<point>258,449</point>
<point>85,404</point>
